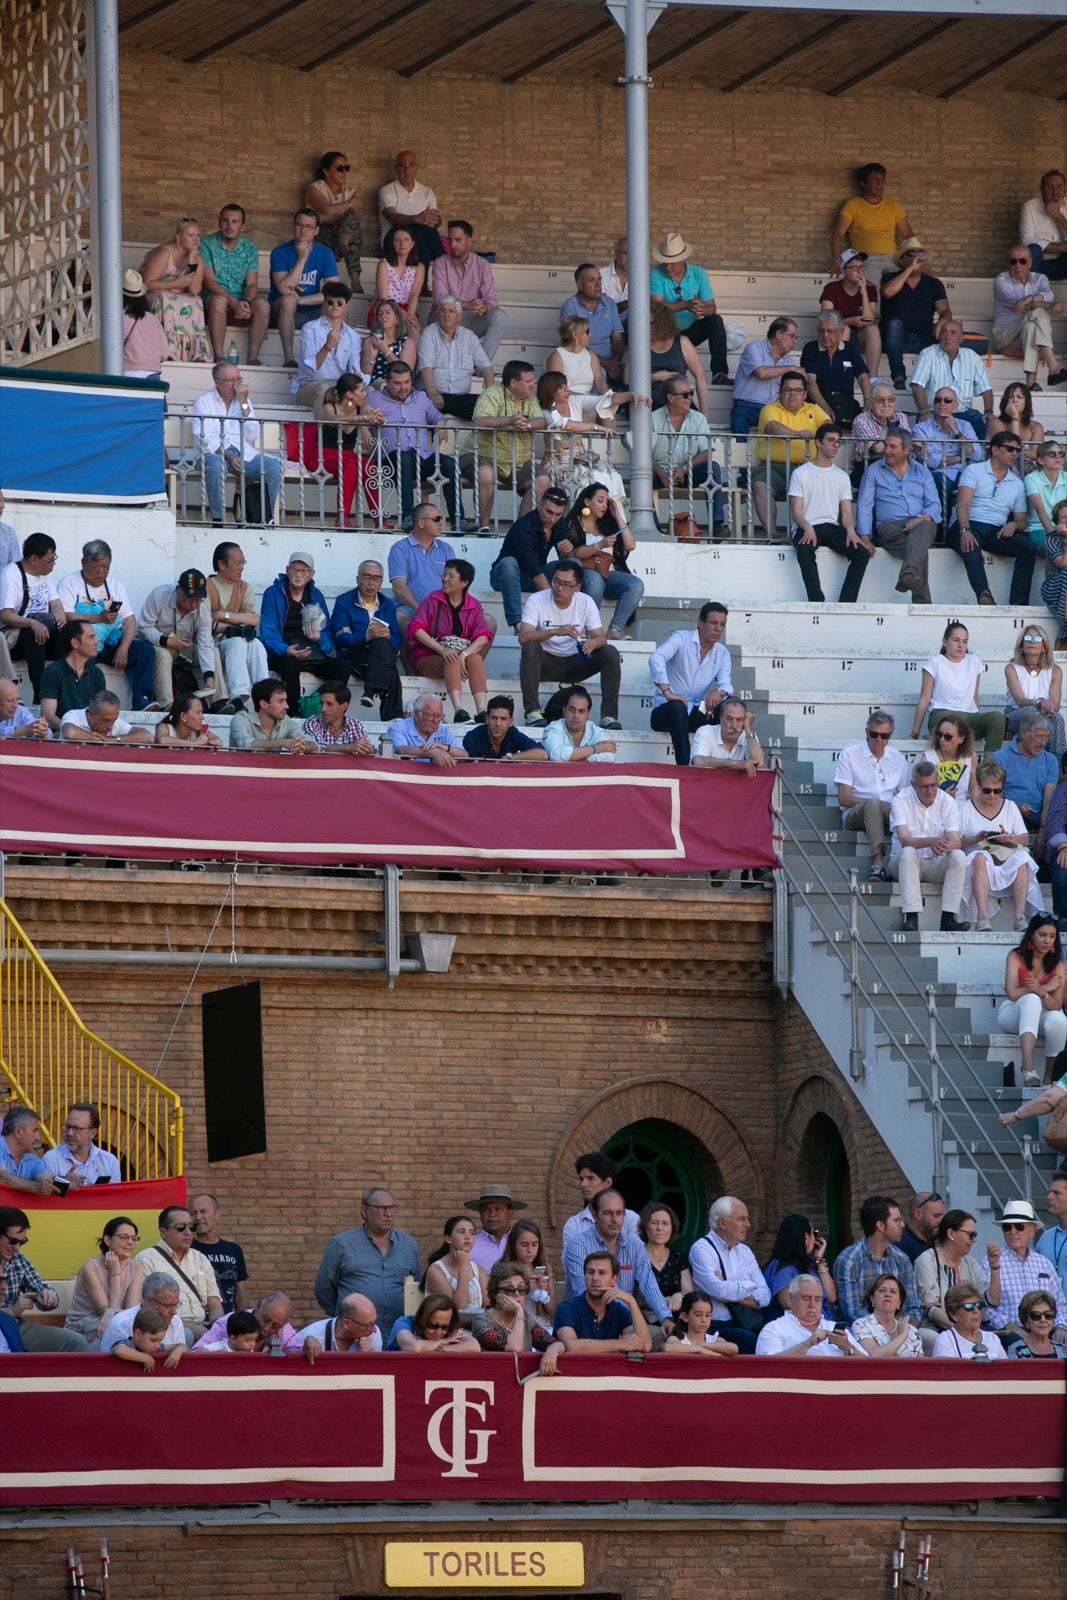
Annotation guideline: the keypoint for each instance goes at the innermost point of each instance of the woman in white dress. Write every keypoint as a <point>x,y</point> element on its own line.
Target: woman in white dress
<point>995,838</point>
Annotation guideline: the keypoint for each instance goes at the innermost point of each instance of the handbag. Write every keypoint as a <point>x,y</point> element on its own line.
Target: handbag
<point>1055,1134</point>
<point>686,528</point>
<point>752,1318</point>
<point>999,852</point>
<point>455,641</point>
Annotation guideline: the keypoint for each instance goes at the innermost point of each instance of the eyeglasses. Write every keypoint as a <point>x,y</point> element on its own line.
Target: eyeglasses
<point>1013,1227</point>
<point>336,302</point>
<point>927,1199</point>
<point>991,791</point>
<point>391,1207</point>
<point>560,583</point>
<point>514,1288</point>
<point>433,519</point>
<point>1057,453</point>
<point>1041,1316</point>
<point>441,1328</point>
<point>967,1234</point>
<point>77,1127</point>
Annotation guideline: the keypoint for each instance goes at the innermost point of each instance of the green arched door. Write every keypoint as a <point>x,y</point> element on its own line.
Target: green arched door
<point>654,1164</point>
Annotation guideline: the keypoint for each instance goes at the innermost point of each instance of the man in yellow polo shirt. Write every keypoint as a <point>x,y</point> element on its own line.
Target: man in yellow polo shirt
<point>872,221</point>
<point>787,439</point>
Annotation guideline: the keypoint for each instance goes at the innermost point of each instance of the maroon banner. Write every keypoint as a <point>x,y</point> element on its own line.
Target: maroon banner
<point>386,1428</point>
<point>164,805</point>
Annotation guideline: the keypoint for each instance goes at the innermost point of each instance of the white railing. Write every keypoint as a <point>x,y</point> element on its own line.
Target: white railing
<point>481,476</point>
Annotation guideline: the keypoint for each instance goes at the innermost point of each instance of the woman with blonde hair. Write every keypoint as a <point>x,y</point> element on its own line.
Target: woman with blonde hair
<point>573,357</point>
<point>1035,683</point>
<point>173,276</point>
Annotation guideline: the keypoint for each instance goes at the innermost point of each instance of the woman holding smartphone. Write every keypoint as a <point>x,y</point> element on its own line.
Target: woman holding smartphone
<point>526,1247</point>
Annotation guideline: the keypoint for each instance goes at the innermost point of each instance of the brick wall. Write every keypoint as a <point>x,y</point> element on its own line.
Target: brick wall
<point>754,1558</point>
<point>756,178</point>
<point>566,1017</point>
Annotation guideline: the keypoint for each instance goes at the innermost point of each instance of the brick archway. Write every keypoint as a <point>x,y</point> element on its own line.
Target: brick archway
<point>817,1111</point>
<point>715,1140</point>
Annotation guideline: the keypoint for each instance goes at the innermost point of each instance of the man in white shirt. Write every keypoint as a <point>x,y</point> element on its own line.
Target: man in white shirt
<point>354,1328</point>
<point>724,1267</point>
<point>803,1330</point>
<point>159,1290</point>
<point>100,723</point>
<point>926,848</point>
<point>869,776</point>
<point>79,1159</point>
<point>1043,226</point>
<point>820,507</point>
<point>949,362</point>
<point>412,205</point>
<point>562,638</point>
<point>30,608</point>
<point>732,746</point>
<point>615,277</point>
<point>233,445</point>
<point>596,1171</point>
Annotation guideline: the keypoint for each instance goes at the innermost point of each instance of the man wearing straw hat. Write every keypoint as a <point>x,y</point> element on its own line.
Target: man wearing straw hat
<point>911,298</point>
<point>496,1205</point>
<point>685,288</point>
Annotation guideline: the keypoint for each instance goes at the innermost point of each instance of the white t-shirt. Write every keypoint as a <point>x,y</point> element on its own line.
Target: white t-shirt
<point>922,822</point>
<point>42,591</point>
<point>871,777</point>
<point>120,1331</point>
<point>955,682</point>
<point>80,719</point>
<point>1009,819</point>
<point>74,591</point>
<point>822,490</point>
<point>397,198</point>
<point>708,741</point>
<point>541,611</point>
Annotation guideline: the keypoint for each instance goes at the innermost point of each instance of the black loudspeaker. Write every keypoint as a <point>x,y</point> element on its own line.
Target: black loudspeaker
<point>234,1108</point>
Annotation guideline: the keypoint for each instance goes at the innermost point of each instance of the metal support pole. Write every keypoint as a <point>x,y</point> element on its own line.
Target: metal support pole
<point>636,18</point>
<point>855,1054</point>
<point>107,252</point>
<point>391,899</point>
<point>936,1128</point>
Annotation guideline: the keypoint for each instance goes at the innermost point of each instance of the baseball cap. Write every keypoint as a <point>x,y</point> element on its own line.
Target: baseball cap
<point>193,584</point>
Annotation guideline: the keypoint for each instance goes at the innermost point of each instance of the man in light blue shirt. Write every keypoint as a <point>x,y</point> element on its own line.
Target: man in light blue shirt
<point>417,563</point>
<point>20,1166</point>
<point>329,348</point>
<point>692,674</point>
<point>602,315</point>
<point>1053,1242</point>
<point>991,515</point>
<point>899,509</point>
<point>425,736</point>
<point>759,373</point>
<point>79,1159</point>
<point>956,368</point>
<point>1031,771</point>
<point>607,1233</point>
<point>686,289</point>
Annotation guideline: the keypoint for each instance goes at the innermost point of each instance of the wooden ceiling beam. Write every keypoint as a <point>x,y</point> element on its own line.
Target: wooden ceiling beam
<point>472,36</point>
<point>696,41</point>
<point>239,35</point>
<point>795,49</point>
<point>605,25</point>
<point>365,34</point>
<point>891,60</point>
<point>1002,61</point>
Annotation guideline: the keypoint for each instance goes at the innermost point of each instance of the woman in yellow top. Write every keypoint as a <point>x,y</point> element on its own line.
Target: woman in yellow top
<point>872,220</point>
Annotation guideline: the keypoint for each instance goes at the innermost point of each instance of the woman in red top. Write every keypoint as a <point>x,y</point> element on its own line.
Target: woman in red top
<point>449,636</point>
<point>1034,980</point>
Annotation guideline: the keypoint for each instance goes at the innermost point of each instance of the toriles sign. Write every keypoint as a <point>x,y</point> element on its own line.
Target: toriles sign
<point>485,1566</point>
<point>396,1428</point>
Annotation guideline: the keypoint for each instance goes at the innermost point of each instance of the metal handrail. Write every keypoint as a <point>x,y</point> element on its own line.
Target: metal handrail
<point>940,1037</point>
<point>51,1060</point>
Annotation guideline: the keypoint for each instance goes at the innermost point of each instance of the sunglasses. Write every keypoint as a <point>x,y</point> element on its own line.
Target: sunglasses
<point>970,1305</point>
<point>991,791</point>
<point>1042,1316</point>
<point>967,1234</point>
<point>883,737</point>
<point>1012,449</point>
<point>1014,1227</point>
<point>1032,638</point>
<point>341,166</point>
<point>944,399</point>
<point>1019,261</point>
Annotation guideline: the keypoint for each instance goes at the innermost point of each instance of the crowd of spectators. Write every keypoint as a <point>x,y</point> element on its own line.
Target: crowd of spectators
<point>907,1287</point>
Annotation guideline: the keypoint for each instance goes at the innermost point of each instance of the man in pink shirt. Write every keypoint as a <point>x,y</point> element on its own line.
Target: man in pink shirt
<point>469,277</point>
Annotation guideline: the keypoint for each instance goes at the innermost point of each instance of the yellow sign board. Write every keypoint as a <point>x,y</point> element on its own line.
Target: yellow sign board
<point>531,1564</point>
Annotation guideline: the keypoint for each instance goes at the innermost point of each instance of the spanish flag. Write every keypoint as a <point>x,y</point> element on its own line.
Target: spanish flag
<point>64,1233</point>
